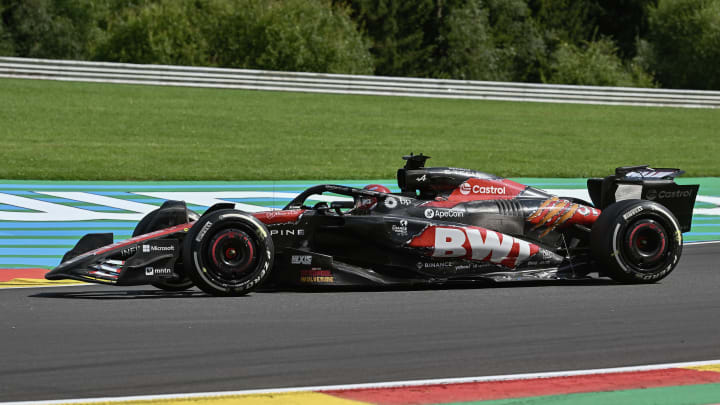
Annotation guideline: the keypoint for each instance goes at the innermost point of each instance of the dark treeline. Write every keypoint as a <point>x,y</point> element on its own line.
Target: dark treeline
<point>667,43</point>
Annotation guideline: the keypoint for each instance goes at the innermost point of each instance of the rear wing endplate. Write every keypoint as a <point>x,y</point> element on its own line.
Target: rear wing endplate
<point>646,183</point>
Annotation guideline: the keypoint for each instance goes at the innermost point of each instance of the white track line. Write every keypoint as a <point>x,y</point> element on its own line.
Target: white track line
<point>391,384</point>
<point>702,242</point>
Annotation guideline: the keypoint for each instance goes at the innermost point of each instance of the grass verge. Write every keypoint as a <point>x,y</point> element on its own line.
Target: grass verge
<point>89,131</point>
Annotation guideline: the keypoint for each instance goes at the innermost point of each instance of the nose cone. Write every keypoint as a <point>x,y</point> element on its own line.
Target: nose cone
<point>54,274</point>
<point>61,272</point>
<point>74,268</point>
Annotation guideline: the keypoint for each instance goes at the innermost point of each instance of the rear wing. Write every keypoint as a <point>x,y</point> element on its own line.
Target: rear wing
<point>646,183</point>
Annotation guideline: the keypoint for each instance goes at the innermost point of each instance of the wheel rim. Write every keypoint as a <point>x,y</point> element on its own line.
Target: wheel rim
<point>646,244</point>
<point>232,255</point>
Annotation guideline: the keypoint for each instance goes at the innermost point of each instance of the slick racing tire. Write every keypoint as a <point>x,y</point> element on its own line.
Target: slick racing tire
<point>228,253</point>
<point>153,221</point>
<point>636,241</point>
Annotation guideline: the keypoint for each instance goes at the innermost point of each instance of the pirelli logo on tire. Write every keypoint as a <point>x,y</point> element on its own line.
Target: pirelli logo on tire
<point>203,231</point>
<point>632,212</point>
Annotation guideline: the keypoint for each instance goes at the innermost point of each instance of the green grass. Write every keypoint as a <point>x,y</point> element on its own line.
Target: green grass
<point>86,131</point>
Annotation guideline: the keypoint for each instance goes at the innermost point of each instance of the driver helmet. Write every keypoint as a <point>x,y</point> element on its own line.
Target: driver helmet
<point>367,203</point>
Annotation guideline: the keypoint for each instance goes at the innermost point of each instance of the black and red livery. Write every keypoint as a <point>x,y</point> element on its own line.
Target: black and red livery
<point>445,225</point>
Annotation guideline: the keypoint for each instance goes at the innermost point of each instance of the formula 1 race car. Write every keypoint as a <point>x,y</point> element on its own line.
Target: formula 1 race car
<point>446,225</point>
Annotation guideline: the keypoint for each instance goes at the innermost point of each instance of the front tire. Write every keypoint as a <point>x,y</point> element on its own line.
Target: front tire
<point>636,241</point>
<point>228,253</point>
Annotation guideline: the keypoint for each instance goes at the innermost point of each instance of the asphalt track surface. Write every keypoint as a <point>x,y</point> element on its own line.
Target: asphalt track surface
<point>95,341</point>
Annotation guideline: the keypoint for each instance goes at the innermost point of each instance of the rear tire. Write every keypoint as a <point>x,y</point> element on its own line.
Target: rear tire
<point>228,253</point>
<point>636,241</point>
<point>161,218</point>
